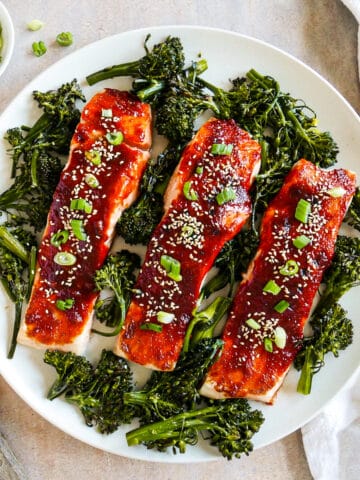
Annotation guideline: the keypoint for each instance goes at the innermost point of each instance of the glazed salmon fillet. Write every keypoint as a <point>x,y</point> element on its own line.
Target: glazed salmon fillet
<point>206,203</point>
<point>272,304</point>
<point>108,154</point>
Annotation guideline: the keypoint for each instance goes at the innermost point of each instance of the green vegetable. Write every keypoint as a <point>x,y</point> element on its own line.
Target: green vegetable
<point>222,148</point>
<point>65,259</point>
<point>301,241</point>
<point>189,192</point>
<point>272,287</point>
<point>65,39</point>
<point>118,275</point>
<point>39,48</point>
<point>154,327</point>
<point>16,246</point>
<point>172,267</point>
<point>114,138</point>
<point>81,204</point>
<point>303,210</point>
<point>97,392</point>
<point>65,304</point>
<point>290,268</point>
<point>228,424</point>
<point>353,213</point>
<point>35,153</point>
<point>59,238</point>
<point>225,196</point>
<point>78,229</point>
<point>164,61</point>
<point>332,330</point>
<point>35,25</point>
<point>137,223</point>
<point>169,393</point>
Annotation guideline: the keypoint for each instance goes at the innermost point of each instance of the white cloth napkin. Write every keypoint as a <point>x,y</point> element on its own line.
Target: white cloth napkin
<point>332,440</point>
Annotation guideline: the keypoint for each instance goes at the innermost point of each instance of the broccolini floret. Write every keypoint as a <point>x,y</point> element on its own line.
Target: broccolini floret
<point>98,392</point>
<point>168,393</point>
<point>117,275</point>
<point>17,247</point>
<point>35,156</point>
<point>227,424</point>
<point>332,330</point>
<point>165,60</point>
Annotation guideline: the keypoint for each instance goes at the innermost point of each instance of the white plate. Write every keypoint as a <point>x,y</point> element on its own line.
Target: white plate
<point>8,37</point>
<point>229,55</point>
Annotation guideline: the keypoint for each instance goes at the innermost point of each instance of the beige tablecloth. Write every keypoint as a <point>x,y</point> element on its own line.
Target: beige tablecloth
<point>322,33</point>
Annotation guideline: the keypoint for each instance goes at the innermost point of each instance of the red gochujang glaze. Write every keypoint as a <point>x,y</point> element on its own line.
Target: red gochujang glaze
<point>246,368</point>
<point>206,203</point>
<point>104,172</point>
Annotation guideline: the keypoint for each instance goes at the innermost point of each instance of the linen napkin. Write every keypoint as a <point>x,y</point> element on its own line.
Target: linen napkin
<point>332,440</point>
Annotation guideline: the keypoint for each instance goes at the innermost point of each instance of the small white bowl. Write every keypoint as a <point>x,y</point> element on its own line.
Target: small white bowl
<point>8,37</point>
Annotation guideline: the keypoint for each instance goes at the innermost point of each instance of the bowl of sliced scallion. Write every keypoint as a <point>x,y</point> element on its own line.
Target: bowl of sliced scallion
<point>6,38</point>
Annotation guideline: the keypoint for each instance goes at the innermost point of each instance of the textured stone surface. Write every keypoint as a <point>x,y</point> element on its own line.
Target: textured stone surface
<point>323,34</point>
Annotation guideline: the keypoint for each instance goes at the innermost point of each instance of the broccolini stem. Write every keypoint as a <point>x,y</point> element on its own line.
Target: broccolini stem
<point>32,266</point>
<point>18,310</point>
<point>13,244</point>
<point>117,329</point>
<point>125,70</point>
<point>307,373</point>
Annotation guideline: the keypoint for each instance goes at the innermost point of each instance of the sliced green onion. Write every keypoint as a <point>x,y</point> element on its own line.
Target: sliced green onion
<point>81,204</point>
<point>187,230</point>
<point>165,317</point>
<point>106,113</point>
<point>151,326</point>
<point>336,192</point>
<point>290,268</point>
<point>189,192</point>
<point>93,156</point>
<point>268,344</point>
<point>272,287</point>
<point>282,306</point>
<point>65,258</point>
<point>65,304</point>
<point>225,195</point>
<point>77,227</point>
<point>65,39</point>
<point>59,238</point>
<point>199,170</point>
<point>301,241</point>
<point>172,267</point>
<point>303,210</point>
<point>280,337</point>
<point>115,138</point>
<point>222,148</point>
<point>250,322</point>
<point>35,25</point>
<point>39,48</point>
<point>91,180</point>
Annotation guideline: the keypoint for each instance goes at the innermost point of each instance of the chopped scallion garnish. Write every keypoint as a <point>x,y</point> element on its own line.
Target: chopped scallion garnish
<point>301,241</point>
<point>91,180</point>
<point>93,156</point>
<point>165,317</point>
<point>106,113</point>
<point>151,326</point>
<point>268,344</point>
<point>290,268</point>
<point>65,258</point>
<point>280,337</point>
<point>282,306</point>
<point>272,287</point>
<point>172,267</point>
<point>64,39</point>
<point>189,192</point>
<point>226,195</point>
<point>115,138</point>
<point>222,148</point>
<point>336,192</point>
<point>81,204</point>
<point>77,227</point>
<point>250,322</point>
<point>303,210</point>
<point>59,238</point>
<point>35,25</point>
<point>65,304</point>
